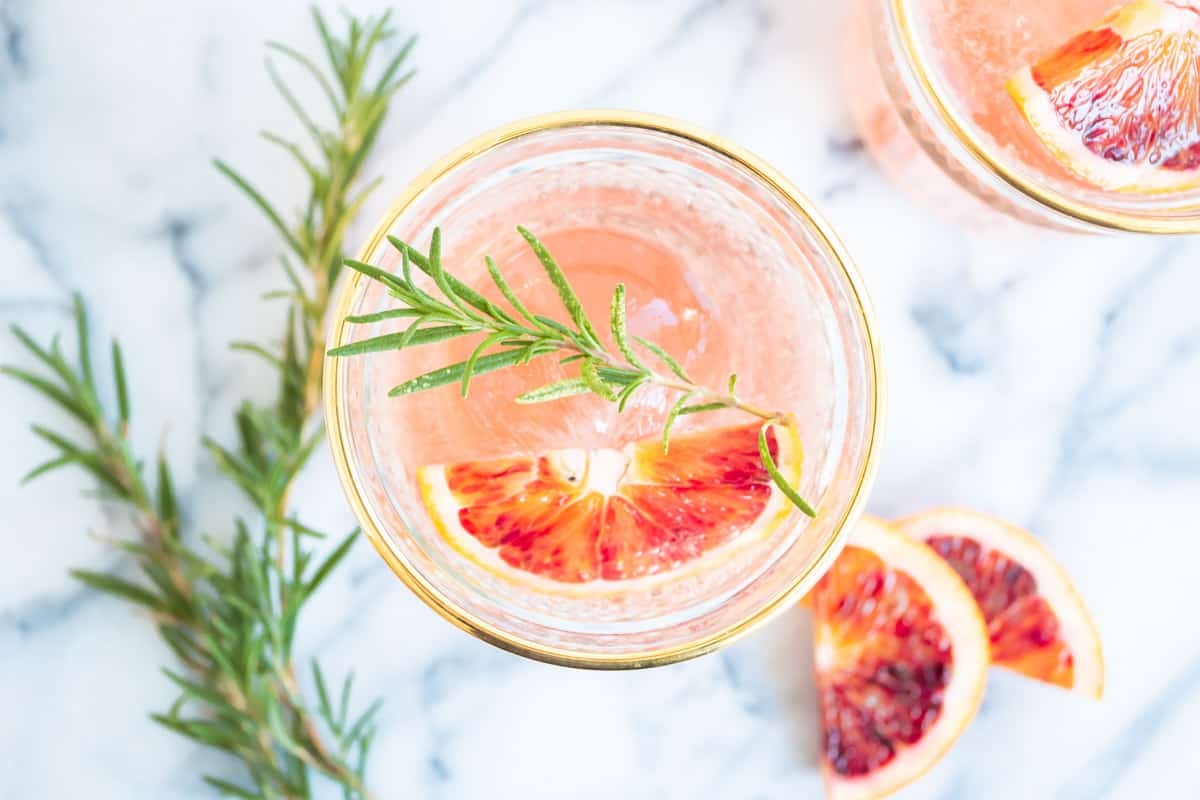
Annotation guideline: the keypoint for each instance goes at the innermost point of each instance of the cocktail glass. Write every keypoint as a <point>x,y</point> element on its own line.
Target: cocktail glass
<point>727,266</point>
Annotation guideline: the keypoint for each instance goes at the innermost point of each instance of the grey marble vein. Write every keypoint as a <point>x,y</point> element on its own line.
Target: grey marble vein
<point>12,37</point>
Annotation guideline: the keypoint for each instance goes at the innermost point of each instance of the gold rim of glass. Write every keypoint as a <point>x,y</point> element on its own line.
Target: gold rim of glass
<point>961,129</point>
<point>484,630</point>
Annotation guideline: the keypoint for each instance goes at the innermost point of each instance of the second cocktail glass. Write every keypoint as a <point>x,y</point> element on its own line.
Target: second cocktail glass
<point>927,88</point>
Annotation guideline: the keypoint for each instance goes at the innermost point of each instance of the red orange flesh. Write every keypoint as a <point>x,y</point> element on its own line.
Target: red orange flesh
<point>1037,625</point>
<point>901,658</point>
<point>1120,104</point>
<point>576,517</point>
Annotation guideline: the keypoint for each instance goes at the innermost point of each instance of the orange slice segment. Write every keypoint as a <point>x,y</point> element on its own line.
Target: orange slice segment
<point>588,517</point>
<point>1037,624</point>
<point>901,662</point>
<point>1119,105</point>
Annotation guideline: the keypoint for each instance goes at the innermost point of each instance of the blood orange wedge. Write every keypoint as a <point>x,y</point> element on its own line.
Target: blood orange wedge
<point>1037,624</point>
<point>1119,105</point>
<point>595,517</point>
<point>901,661</point>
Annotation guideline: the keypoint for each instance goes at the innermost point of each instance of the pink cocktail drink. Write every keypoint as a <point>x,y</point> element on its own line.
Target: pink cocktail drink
<point>723,268</point>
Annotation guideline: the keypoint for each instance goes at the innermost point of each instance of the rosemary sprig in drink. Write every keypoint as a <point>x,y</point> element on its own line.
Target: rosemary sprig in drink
<point>229,611</point>
<point>517,337</point>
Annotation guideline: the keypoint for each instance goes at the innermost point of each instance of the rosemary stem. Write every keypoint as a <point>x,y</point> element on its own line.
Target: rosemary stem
<point>702,394</point>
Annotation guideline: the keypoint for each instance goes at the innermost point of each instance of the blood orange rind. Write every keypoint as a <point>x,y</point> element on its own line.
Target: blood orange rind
<point>1075,625</point>
<point>956,612</point>
<point>614,467</point>
<point>1122,38</point>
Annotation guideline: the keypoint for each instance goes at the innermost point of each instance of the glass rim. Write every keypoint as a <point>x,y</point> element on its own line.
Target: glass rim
<point>902,17</point>
<point>335,409</point>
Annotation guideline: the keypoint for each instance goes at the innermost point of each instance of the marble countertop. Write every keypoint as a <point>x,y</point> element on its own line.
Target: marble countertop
<point>1051,380</point>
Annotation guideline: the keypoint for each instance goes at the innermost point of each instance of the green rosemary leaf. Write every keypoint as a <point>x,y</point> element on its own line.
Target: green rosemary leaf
<point>665,357</point>
<point>569,299</point>
<point>198,691</point>
<point>293,149</point>
<point>364,720</point>
<point>295,525</point>
<point>375,273</point>
<point>618,376</point>
<point>297,107</point>
<point>555,391</point>
<point>619,330</point>
<point>534,348</point>
<point>571,359</point>
<point>508,293</point>
<point>764,452</point>
<point>332,51</point>
<point>628,392</point>
<point>397,341</point>
<point>230,789</point>
<point>89,460</point>
<point>673,415</point>
<point>703,407</point>
<point>165,503</point>
<point>323,694</point>
<point>122,387</point>
<point>454,288</point>
<point>380,316</point>
<point>590,376</point>
<point>330,562</point>
<point>386,85</point>
<point>63,399</point>
<point>313,70</point>
<point>279,294</point>
<point>558,327</point>
<point>173,600</point>
<point>51,358</point>
<point>268,210</point>
<point>83,343</point>
<point>256,349</point>
<point>43,468</point>
<point>203,731</point>
<point>454,372</point>
<point>440,277</point>
<point>733,379</point>
<point>344,703</point>
<point>422,296</point>
<point>110,584</point>
<point>469,369</point>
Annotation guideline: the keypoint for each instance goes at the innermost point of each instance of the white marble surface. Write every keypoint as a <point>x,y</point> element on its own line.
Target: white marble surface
<point>1051,380</point>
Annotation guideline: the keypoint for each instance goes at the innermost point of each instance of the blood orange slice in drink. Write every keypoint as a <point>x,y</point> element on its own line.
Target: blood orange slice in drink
<point>901,661</point>
<point>1119,105</point>
<point>1037,624</point>
<point>596,517</point>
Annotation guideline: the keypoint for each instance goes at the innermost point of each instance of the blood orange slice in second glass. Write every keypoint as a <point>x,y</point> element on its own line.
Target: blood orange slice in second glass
<point>593,519</point>
<point>901,661</point>
<point>1119,105</point>
<point>1037,623</point>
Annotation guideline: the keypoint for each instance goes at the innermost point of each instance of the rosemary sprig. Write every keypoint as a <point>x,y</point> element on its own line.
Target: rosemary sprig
<point>513,339</point>
<point>229,611</point>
